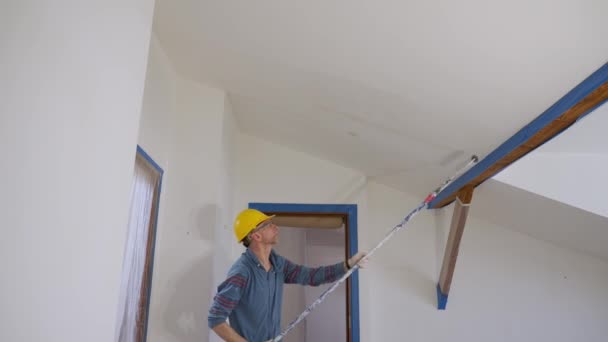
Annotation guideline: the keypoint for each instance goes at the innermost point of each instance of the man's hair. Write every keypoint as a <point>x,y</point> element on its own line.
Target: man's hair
<point>246,241</point>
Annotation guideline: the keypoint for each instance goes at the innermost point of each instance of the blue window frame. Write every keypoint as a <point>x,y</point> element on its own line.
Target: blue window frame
<point>146,156</point>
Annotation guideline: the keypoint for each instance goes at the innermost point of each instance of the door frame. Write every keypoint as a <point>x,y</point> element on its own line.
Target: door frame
<point>349,213</point>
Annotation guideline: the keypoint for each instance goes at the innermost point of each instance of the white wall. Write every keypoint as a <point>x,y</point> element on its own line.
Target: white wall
<point>71,94</point>
<point>224,239</point>
<point>507,286</point>
<point>224,236</point>
<point>159,108</point>
<point>187,128</point>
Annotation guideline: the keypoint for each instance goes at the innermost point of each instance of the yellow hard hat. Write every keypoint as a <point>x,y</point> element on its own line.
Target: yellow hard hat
<point>246,221</point>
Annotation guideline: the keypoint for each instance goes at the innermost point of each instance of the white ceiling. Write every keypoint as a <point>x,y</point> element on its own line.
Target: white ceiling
<point>387,87</point>
<point>402,90</point>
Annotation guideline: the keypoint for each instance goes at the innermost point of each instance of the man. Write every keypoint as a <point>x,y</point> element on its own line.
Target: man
<point>252,295</point>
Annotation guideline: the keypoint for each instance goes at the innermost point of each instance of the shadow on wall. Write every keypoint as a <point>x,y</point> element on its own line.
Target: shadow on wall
<point>188,291</point>
<point>204,220</point>
<point>442,224</point>
<point>185,316</point>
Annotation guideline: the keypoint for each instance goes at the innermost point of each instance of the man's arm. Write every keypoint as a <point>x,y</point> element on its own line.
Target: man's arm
<point>315,276</point>
<point>228,334</point>
<point>227,298</point>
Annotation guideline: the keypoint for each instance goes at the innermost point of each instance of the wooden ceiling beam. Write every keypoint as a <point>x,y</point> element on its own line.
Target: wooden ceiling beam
<point>309,221</point>
<point>583,99</point>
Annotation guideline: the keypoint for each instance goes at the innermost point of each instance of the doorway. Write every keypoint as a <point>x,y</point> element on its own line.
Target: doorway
<point>328,232</point>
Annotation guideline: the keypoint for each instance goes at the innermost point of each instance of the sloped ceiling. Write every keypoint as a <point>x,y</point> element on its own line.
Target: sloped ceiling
<point>541,218</point>
<point>399,89</point>
<point>403,90</point>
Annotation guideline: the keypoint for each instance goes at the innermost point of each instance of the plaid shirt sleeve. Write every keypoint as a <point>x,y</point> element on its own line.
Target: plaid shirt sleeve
<point>227,298</point>
<point>312,276</point>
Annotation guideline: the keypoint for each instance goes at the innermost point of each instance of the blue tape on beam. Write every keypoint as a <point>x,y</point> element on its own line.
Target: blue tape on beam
<point>581,91</point>
<point>442,300</point>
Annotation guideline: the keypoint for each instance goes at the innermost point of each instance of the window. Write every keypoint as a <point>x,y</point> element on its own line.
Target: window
<point>139,250</point>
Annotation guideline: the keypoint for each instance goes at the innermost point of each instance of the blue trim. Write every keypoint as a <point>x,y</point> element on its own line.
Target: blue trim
<point>149,159</point>
<point>354,282</point>
<point>351,212</point>
<point>442,300</point>
<point>577,94</point>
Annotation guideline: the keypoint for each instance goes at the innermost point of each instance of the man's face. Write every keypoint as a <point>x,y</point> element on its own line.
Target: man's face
<point>269,232</point>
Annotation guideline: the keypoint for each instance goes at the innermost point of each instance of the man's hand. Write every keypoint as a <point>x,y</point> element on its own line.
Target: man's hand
<point>355,259</point>
<point>227,333</point>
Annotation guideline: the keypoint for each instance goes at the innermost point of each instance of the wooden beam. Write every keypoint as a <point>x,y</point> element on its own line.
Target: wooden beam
<point>459,219</point>
<point>310,221</point>
<point>587,96</point>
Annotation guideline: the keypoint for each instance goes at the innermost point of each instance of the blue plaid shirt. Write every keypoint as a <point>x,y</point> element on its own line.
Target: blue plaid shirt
<point>251,298</point>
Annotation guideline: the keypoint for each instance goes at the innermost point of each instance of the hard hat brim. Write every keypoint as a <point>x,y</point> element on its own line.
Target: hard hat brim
<point>268,218</point>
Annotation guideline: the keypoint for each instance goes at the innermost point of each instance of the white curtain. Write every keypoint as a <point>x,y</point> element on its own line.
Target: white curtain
<point>142,197</point>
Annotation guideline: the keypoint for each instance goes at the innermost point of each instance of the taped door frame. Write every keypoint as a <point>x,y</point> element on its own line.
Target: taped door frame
<point>349,213</point>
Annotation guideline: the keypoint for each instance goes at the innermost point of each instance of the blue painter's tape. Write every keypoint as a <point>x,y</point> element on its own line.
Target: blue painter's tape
<point>581,91</point>
<point>442,300</point>
<point>353,239</point>
<point>149,159</point>
<point>304,208</point>
<point>350,210</point>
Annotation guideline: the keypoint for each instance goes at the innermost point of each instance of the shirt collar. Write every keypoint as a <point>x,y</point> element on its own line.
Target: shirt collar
<point>256,261</point>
